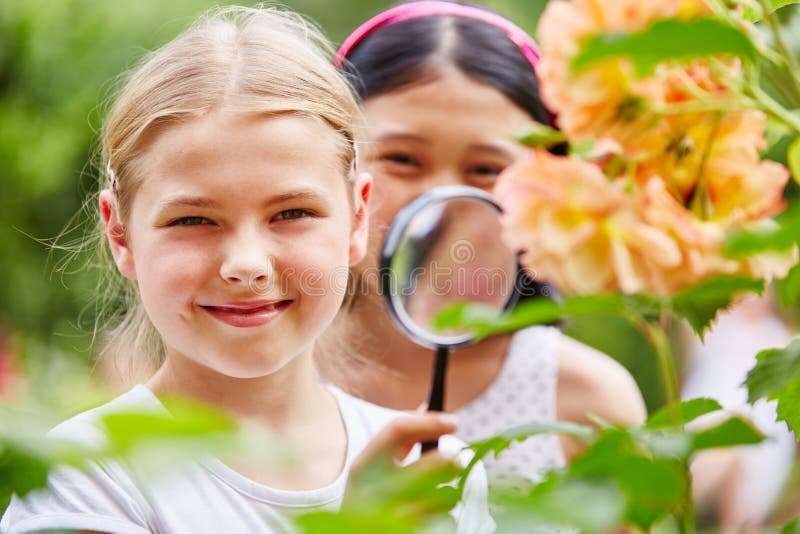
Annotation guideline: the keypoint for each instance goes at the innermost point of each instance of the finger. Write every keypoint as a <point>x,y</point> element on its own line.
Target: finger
<point>399,436</point>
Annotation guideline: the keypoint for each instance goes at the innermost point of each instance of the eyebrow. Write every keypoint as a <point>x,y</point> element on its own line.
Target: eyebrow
<point>204,202</point>
<point>399,136</point>
<point>483,147</point>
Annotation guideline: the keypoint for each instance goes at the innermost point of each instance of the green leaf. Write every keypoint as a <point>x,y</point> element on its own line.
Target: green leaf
<point>773,371</point>
<point>788,288</point>
<point>484,320</point>
<point>552,504</point>
<point>751,15</point>
<point>783,236</point>
<point>792,527</point>
<point>538,135</point>
<point>776,376</point>
<point>668,40</point>
<point>730,433</point>
<point>654,486</point>
<point>699,304</point>
<point>500,442</point>
<point>684,412</point>
<point>789,404</point>
<point>793,158</point>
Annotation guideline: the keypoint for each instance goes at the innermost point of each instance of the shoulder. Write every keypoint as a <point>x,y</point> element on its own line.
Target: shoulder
<point>100,496</point>
<point>362,418</point>
<point>86,429</point>
<point>590,382</point>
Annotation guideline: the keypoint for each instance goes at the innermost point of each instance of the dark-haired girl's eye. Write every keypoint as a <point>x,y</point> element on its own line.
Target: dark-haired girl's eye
<point>483,175</point>
<point>400,159</point>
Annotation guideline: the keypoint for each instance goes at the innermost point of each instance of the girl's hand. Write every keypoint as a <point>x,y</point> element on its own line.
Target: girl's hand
<point>380,482</point>
<point>398,438</point>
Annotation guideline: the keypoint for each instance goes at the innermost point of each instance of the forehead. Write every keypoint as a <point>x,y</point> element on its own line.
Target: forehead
<point>452,104</point>
<point>244,154</point>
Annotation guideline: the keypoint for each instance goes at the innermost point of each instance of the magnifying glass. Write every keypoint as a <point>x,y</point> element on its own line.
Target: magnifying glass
<point>442,248</point>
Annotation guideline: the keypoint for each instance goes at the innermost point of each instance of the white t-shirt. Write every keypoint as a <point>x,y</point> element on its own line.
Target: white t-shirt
<point>204,496</point>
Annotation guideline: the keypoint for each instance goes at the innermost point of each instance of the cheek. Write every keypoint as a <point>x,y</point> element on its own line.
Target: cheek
<point>317,265</point>
<point>169,271</point>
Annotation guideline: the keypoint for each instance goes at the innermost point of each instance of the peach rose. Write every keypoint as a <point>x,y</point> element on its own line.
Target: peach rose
<point>589,234</point>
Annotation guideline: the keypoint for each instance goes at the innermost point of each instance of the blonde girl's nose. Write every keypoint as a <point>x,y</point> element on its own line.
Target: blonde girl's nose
<point>248,263</point>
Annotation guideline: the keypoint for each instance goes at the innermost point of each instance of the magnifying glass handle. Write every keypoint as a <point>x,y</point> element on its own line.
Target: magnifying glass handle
<point>436,398</point>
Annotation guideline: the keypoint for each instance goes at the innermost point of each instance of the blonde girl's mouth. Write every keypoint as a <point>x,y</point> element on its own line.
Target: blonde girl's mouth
<point>247,314</point>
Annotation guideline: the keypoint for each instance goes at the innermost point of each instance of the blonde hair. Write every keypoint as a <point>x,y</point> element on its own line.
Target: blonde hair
<point>262,61</point>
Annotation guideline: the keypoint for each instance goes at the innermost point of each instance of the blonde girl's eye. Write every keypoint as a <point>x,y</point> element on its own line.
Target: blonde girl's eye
<point>190,221</point>
<point>292,214</point>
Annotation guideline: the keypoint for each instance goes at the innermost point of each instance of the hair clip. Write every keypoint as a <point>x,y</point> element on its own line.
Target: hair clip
<point>112,177</point>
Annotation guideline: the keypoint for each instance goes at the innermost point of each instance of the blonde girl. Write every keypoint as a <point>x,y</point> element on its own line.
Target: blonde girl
<point>232,210</point>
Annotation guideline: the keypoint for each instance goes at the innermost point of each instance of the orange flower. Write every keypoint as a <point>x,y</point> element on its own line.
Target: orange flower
<point>607,99</point>
<point>578,229</point>
<point>712,166</point>
<point>588,234</point>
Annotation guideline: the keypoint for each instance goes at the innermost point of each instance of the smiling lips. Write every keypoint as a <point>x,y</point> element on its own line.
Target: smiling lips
<point>249,314</point>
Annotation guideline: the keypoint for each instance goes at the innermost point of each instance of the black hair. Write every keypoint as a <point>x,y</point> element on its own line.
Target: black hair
<point>412,52</point>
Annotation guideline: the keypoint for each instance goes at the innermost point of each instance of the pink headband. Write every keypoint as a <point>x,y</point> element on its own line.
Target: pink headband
<point>432,8</point>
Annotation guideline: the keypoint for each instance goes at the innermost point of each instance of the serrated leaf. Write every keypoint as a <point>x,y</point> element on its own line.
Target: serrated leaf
<point>668,40</point>
<point>684,412</point>
<point>782,236</point>
<point>793,158</point>
<point>500,442</point>
<point>538,135</point>
<point>788,288</point>
<point>789,404</point>
<point>484,320</point>
<point>730,433</point>
<point>773,371</point>
<point>699,304</point>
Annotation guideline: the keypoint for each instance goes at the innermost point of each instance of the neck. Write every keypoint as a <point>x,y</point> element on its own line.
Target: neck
<point>389,369</point>
<point>285,398</point>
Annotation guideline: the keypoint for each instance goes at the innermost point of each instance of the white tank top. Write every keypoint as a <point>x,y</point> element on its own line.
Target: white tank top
<point>524,392</point>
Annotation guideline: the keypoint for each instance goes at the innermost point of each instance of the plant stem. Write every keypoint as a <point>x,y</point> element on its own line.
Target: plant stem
<point>656,332</point>
<point>780,44</point>
<point>768,105</point>
<point>666,363</point>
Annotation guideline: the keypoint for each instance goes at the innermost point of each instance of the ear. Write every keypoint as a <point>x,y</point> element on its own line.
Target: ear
<point>116,234</point>
<point>362,189</point>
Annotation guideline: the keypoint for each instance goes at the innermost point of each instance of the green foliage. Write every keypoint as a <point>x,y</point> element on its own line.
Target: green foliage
<point>700,304</point>
<point>788,288</point>
<point>154,440</point>
<point>793,158</point>
<point>730,433</point>
<point>552,504</point>
<point>383,498</point>
<point>500,442</point>
<point>668,40</point>
<point>753,16</point>
<point>782,236</point>
<point>619,337</point>
<point>685,412</point>
<point>540,135</point>
<point>776,376</point>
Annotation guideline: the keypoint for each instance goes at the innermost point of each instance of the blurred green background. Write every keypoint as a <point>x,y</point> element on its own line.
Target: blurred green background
<point>58,62</point>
